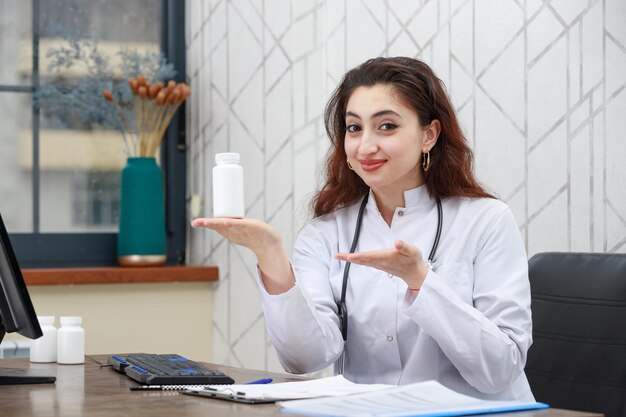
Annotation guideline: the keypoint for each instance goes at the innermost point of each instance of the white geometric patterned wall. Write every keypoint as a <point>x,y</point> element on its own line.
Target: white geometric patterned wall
<point>539,87</point>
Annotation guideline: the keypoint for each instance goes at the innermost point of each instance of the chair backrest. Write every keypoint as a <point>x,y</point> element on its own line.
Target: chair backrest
<point>578,357</point>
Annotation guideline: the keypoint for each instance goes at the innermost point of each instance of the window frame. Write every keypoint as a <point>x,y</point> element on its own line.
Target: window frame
<point>40,250</point>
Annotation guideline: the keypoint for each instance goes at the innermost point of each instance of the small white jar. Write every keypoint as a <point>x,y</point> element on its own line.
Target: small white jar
<point>228,186</point>
<point>44,349</point>
<point>71,341</point>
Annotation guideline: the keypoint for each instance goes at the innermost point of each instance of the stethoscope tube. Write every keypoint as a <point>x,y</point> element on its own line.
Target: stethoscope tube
<point>431,257</point>
<point>342,310</point>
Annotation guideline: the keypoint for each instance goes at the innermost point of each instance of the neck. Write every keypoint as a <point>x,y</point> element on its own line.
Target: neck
<point>391,196</point>
<point>387,202</point>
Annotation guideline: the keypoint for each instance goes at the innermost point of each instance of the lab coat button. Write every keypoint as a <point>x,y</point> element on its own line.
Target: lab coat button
<point>390,275</point>
<point>390,338</point>
<point>401,213</point>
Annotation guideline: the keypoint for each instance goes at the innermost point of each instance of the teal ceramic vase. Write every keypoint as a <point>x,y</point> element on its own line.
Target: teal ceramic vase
<point>141,236</point>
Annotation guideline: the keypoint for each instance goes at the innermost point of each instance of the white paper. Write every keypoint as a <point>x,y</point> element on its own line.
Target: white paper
<point>332,386</point>
<point>428,398</point>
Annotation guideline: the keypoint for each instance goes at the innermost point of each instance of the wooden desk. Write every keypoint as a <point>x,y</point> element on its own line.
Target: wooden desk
<point>94,391</point>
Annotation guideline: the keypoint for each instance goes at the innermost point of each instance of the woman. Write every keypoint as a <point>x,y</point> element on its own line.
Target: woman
<point>463,317</point>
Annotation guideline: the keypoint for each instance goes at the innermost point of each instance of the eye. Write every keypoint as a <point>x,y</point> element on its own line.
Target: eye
<point>352,128</point>
<point>388,126</point>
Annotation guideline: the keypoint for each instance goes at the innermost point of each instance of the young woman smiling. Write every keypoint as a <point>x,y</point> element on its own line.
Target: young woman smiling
<point>409,269</point>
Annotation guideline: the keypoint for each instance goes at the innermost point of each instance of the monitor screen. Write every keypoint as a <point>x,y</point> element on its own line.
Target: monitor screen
<point>16,312</point>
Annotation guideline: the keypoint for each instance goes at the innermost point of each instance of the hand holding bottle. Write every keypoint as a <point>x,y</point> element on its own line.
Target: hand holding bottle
<point>262,239</point>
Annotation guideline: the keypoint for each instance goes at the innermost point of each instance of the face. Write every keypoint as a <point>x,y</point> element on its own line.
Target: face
<point>384,140</point>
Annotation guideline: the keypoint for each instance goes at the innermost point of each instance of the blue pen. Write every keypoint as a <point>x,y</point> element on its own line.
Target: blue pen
<point>260,381</point>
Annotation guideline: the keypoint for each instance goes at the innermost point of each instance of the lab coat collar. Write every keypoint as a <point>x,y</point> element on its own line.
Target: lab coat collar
<point>415,197</point>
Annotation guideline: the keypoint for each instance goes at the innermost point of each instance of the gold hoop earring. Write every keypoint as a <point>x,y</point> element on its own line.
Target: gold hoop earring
<point>426,161</point>
<point>350,166</point>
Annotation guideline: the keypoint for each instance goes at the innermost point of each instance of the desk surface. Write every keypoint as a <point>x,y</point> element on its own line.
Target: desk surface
<point>95,391</point>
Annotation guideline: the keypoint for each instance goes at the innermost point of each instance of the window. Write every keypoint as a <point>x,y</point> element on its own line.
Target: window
<point>60,177</point>
<point>96,201</point>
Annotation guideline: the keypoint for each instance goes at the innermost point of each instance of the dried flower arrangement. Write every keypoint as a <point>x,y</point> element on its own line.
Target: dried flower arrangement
<point>139,101</point>
<point>155,105</point>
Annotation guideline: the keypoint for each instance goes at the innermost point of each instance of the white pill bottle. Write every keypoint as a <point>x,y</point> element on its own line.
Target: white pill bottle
<point>71,341</point>
<point>44,349</point>
<point>228,186</point>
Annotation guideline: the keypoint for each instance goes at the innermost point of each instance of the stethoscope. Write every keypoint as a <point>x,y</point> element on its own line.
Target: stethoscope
<point>341,305</point>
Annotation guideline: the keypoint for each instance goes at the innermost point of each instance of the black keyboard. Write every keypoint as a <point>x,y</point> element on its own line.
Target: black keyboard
<point>169,369</point>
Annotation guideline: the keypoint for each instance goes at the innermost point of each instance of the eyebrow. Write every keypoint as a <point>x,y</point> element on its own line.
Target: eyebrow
<point>377,114</point>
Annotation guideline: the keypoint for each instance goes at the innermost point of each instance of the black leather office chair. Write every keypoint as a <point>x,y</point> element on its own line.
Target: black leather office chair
<point>578,357</point>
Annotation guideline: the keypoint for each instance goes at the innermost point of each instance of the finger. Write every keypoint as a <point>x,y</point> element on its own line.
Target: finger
<point>201,222</point>
<point>342,256</point>
<point>197,222</point>
<point>213,223</point>
<point>366,258</point>
<point>347,257</point>
<point>405,248</point>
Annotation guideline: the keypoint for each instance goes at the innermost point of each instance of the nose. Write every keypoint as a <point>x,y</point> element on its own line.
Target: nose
<point>368,144</point>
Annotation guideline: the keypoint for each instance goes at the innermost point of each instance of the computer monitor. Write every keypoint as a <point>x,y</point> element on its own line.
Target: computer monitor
<point>16,313</point>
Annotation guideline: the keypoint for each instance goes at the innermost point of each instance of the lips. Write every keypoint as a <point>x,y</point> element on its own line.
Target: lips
<point>370,165</point>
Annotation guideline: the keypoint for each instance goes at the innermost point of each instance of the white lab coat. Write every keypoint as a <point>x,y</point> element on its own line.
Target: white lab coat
<point>469,327</point>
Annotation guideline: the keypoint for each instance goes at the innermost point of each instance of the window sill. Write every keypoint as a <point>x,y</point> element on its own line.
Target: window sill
<point>119,275</point>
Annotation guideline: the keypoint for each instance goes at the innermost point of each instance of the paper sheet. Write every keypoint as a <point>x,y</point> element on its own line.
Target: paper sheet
<point>332,386</point>
<point>428,398</point>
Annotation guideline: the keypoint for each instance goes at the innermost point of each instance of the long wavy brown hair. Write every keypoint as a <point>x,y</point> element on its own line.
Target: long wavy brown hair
<point>451,170</point>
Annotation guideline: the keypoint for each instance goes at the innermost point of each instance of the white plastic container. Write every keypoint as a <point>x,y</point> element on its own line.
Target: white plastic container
<point>44,349</point>
<point>71,341</point>
<point>228,186</point>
